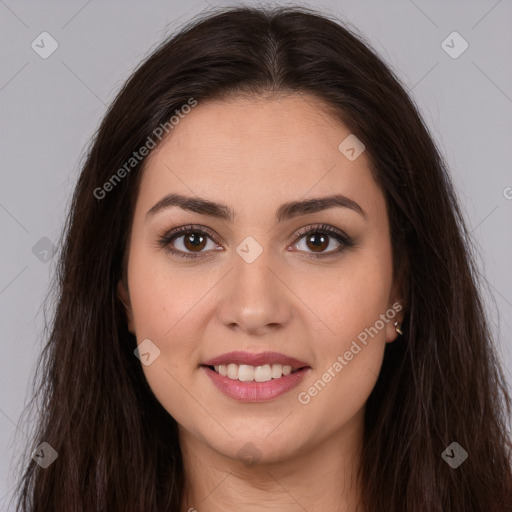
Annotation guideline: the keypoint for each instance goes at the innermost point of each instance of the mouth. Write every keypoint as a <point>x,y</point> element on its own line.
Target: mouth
<point>255,377</point>
<point>249,373</point>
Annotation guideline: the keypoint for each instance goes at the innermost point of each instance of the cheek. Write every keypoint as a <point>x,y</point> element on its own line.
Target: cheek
<point>349,362</point>
<point>353,306</point>
<point>351,299</point>
<point>163,297</point>
<point>166,303</point>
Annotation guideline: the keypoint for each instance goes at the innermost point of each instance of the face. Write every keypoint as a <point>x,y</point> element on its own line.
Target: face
<point>260,284</point>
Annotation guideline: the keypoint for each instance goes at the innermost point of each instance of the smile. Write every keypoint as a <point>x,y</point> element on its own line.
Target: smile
<point>248,373</point>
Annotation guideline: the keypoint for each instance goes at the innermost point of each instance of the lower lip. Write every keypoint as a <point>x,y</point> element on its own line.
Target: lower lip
<point>253,391</point>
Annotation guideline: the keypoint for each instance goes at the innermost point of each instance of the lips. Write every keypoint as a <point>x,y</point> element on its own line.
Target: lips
<point>263,388</point>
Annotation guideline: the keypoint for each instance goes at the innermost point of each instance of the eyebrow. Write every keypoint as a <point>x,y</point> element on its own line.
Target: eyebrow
<point>286,211</point>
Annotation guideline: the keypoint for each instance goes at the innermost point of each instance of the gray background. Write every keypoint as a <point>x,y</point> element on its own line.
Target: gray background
<point>51,107</point>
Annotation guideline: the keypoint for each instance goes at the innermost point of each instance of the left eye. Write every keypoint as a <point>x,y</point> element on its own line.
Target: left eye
<point>319,241</point>
<point>193,242</point>
<point>318,238</point>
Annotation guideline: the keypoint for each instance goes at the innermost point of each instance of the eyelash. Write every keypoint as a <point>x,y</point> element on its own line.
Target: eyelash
<point>324,229</point>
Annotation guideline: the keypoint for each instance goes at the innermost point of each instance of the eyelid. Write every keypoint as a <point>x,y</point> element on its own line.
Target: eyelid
<point>191,228</point>
<point>324,228</point>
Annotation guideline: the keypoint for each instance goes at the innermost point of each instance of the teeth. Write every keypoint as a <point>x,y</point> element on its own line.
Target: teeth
<point>263,373</point>
<point>277,371</point>
<point>233,371</point>
<point>247,373</point>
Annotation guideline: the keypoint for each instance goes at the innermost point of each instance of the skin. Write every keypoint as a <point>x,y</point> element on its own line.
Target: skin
<point>254,154</point>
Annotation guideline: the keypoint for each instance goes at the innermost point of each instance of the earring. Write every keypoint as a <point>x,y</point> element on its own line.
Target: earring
<point>397,327</point>
<point>124,303</point>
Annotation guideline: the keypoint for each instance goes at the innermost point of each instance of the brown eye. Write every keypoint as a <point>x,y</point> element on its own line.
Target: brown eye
<point>188,242</point>
<point>194,241</point>
<point>317,242</point>
<point>323,241</point>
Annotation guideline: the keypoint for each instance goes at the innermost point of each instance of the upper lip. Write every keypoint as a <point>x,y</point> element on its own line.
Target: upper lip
<point>252,359</point>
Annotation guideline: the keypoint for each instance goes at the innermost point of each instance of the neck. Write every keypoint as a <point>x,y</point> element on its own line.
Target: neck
<point>323,476</point>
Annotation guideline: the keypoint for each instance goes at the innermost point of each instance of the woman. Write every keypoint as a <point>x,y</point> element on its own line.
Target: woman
<point>266,297</point>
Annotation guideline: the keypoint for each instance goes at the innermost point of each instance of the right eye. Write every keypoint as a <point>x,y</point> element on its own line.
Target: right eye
<point>190,238</point>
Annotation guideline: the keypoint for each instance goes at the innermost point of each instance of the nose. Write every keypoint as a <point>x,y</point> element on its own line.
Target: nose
<point>254,298</point>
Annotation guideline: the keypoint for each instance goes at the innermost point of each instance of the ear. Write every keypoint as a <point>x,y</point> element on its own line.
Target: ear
<point>395,312</point>
<point>124,297</point>
<point>398,298</point>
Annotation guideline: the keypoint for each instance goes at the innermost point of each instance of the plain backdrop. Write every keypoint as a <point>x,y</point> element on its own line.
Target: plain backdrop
<point>50,107</point>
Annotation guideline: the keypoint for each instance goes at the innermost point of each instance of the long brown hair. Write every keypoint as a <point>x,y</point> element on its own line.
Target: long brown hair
<point>440,382</point>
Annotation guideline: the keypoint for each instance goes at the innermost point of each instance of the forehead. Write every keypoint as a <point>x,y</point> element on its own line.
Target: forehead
<point>251,150</point>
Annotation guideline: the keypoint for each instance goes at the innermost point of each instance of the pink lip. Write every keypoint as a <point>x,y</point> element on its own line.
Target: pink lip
<point>256,391</point>
<point>239,357</point>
